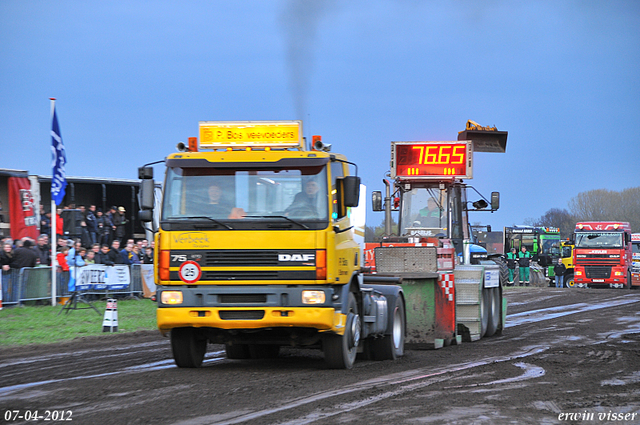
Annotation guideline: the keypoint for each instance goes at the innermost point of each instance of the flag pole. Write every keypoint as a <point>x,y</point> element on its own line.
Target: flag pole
<point>54,221</point>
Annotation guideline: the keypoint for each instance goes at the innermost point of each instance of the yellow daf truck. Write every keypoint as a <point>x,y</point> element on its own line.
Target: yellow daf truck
<point>256,248</point>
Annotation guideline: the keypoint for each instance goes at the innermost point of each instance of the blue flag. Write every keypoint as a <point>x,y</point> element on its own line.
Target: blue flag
<point>59,181</point>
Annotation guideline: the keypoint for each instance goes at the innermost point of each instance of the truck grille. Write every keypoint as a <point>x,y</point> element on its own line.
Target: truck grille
<point>598,272</point>
<point>597,259</point>
<point>239,275</point>
<point>269,275</point>
<point>236,257</point>
<point>242,315</point>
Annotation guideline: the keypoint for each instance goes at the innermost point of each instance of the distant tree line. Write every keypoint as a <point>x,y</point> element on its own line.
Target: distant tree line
<point>374,233</point>
<point>594,205</point>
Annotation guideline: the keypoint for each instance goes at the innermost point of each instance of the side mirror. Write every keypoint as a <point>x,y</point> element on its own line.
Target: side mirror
<point>147,195</point>
<point>145,216</point>
<point>495,200</point>
<point>376,200</point>
<point>351,191</point>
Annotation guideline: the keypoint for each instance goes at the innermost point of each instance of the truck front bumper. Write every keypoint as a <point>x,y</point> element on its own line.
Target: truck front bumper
<point>323,319</point>
<point>248,307</point>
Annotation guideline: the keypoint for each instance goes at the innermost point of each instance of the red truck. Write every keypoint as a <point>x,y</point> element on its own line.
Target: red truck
<point>603,254</point>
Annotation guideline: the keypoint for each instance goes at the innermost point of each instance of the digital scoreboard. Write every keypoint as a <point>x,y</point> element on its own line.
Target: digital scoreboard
<point>432,160</point>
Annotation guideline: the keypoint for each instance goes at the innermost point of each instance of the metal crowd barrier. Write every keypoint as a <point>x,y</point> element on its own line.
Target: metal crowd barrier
<point>34,284</point>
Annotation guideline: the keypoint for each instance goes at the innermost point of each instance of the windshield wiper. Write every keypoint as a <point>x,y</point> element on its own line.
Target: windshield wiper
<point>203,217</point>
<point>279,216</point>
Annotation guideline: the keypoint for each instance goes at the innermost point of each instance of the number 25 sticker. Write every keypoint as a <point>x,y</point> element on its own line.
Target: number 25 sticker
<point>190,272</point>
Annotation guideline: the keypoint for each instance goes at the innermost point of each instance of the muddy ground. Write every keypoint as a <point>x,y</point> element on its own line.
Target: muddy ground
<point>566,356</point>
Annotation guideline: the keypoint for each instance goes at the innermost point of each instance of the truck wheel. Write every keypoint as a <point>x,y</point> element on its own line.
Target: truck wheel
<point>628,285</point>
<point>340,350</point>
<point>485,311</point>
<point>261,351</point>
<point>569,282</point>
<point>237,351</point>
<point>188,350</point>
<point>494,312</point>
<point>391,346</point>
<point>504,271</point>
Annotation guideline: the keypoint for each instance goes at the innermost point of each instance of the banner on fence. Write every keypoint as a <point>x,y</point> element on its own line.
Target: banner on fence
<point>100,277</point>
<point>148,284</point>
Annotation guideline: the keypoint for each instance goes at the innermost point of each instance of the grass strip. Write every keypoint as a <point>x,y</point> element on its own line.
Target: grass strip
<point>42,324</point>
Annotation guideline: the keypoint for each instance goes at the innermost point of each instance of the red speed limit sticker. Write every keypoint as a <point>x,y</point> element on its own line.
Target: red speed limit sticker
<point>190,272</point>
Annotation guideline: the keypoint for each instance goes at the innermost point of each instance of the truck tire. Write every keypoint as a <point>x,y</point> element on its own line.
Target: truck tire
<point>237,351</point>
<point>188,349</point>
<point>504,270</point>
<point>569,281</point>
<point>391,346</point>
<point>494,312</point>
<point>340,350</point>
<point>628,285</point>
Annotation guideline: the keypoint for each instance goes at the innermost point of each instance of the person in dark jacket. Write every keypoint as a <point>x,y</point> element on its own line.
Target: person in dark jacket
<point>120,222</point>
<point>6,256</point>
<point>43,250</point>
<point>524,261</point>
<point>102,257</point>
<point>305,203</point>
<point>114,252</point>
<point>512,257</point>
<point>24,256</point>
<point>92,225</point>
<point>559,270</point>
<point>45,223</point>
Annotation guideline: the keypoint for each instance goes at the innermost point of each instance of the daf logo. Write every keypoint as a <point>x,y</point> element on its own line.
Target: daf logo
<point>296,257</point>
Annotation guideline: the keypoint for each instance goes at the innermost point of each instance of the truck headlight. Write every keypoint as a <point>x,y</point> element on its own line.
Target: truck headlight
<point>619,273</point>
<point>171,297</point>
<point>313,297</point>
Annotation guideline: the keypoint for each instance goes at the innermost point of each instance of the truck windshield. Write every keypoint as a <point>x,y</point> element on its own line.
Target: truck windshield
<point>243,198</point>
<point>550,245</point>
<point>599,240</point>
<point>424,212</point>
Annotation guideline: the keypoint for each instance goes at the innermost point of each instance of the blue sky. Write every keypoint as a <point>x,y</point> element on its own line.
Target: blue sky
<point>133,78</point>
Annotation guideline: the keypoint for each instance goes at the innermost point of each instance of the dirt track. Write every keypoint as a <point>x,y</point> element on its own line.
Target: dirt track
<point>580,355</point>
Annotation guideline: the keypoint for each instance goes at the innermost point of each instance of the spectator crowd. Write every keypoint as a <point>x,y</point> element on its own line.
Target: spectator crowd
<point>100,240</point>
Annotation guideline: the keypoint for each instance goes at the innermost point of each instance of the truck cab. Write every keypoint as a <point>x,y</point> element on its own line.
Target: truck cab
<point>603,254</point>
<point>566,256</point>
<point>257,248</point>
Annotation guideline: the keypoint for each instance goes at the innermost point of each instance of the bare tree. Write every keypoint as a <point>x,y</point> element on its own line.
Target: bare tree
<point>596,205</point>
<point>559,218</point>
<point>631,207</point>
<point>608,205</point>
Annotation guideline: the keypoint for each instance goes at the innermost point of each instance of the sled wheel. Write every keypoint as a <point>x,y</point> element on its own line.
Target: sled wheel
<point>494,312</point>
<point>391,346</point>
